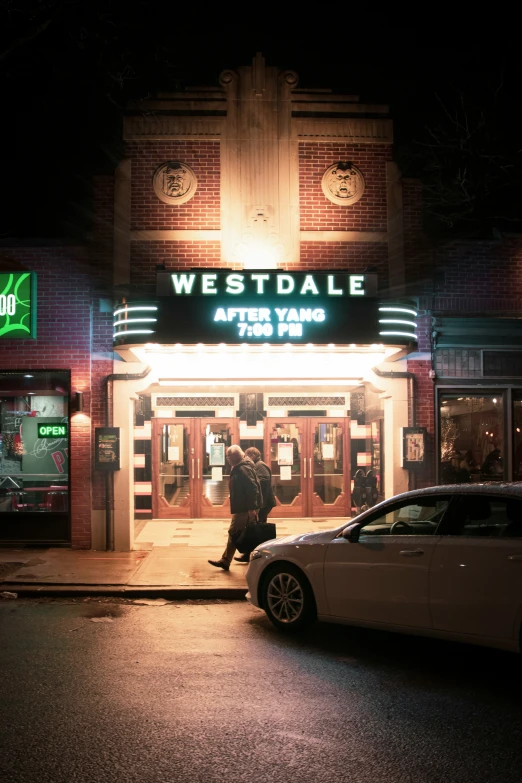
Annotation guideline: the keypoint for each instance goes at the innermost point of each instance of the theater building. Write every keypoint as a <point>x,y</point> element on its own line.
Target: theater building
<point>245,282</point>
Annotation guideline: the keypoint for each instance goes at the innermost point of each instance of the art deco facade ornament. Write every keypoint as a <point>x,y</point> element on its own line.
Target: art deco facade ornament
<point>174,182</point>
<point>343,183</point>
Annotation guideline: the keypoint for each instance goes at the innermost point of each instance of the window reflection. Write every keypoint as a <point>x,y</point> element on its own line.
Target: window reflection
<point>471,438</point>
<point>517,439</point>
<point>34,470</point>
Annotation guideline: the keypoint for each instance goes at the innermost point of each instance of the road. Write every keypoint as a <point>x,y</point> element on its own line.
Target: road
<point>93,692</point>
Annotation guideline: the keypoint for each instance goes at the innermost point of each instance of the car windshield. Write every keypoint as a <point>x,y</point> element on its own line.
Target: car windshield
<point>415,515</point>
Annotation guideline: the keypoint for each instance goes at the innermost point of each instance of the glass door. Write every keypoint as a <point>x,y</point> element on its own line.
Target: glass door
<point>173,469</point>
<point>190,471</point>
<point>328,480</point>
<point>309,459</point>
<point>213,470</point>
<point>284,441</point>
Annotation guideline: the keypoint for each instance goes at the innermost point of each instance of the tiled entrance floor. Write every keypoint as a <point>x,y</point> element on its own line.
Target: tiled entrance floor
<point>213,532</point>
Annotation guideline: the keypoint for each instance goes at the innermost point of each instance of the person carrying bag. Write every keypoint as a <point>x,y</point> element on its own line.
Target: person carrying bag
<point>258,531</point>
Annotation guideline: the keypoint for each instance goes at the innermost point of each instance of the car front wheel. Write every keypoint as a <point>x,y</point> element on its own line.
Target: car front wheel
<point>288,599</point>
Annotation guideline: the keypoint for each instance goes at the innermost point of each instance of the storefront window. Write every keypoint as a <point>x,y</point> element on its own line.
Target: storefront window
<point>517,437</point>
<point>471,438</point>
<point>34,442</point>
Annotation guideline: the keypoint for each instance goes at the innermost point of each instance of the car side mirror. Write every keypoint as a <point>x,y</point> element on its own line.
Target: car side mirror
<point>352,533</point>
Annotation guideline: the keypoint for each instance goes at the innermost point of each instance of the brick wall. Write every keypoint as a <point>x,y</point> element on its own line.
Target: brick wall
<point>479,276</point>
<point>175,255</point>
<point>202,211</point>
<point>418,249</point>
<point>317,212</point>
<point>424,417</point>
<point>63,342</point>
<point>353,256</point>
<point>101,255</point>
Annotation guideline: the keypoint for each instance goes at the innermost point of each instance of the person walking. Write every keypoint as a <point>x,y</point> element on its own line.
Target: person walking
<point>245,501</point>
<point>264,475</point>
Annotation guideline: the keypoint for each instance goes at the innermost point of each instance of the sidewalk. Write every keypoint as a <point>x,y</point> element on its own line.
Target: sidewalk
<point>160,565</point>
<point>175,572</point>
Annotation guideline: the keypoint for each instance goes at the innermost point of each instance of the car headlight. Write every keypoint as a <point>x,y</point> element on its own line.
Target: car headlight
<point>255,554</point>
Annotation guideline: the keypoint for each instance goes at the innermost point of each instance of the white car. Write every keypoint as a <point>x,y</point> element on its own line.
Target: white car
<point>444,561</point>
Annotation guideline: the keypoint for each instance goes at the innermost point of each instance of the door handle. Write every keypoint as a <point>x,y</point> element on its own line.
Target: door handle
<point>310,465</point>
<point>411,552</point>
<point>304,463</point>
<point>515,557</point>
<point>193,467</point>
<point>199,471</point>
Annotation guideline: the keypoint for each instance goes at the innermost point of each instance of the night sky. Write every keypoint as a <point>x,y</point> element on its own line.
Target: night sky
<point>68,68</point>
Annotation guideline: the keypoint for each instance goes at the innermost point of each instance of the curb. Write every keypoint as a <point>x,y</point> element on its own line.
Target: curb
<point>123,591</point>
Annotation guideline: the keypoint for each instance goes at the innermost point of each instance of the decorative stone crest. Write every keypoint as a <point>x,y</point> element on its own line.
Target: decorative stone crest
<point>174,182</point>
<point>343,183</point>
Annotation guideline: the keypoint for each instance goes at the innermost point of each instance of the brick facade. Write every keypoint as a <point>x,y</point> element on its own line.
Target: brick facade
<point>75,289</point>
<point>317,213</point>
<point>148,212</point>
<point>64,334</point>
<point>354,257</point>
<point>145,256</point>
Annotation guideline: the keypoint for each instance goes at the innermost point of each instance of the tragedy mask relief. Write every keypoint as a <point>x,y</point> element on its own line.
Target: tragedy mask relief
<point>343,183</point>
<point>174,182</point>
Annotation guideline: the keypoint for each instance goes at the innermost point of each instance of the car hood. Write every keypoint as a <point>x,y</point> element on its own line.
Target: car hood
<point>302,539</point>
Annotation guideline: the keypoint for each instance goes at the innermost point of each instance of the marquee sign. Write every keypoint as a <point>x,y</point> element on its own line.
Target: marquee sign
<point>17,305</point>
<point>210,307</point>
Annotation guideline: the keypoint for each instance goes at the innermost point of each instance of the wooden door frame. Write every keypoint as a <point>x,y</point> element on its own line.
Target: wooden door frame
<point>288,512</point>
<point>196,505</point>
<point>161,510</point>
<point>201,502</point>
<point>342,505</point>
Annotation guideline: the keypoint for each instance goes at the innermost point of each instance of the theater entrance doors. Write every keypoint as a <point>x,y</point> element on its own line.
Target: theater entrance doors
<point>310,463</point>
<point>189,468</point>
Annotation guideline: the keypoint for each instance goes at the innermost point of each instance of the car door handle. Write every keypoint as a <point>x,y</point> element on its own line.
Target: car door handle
<point>411,552</point>
<point>515,557</point>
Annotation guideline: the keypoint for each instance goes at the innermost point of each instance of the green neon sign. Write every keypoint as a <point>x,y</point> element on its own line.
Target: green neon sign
<point>17,305</point>
<point>53,430</point>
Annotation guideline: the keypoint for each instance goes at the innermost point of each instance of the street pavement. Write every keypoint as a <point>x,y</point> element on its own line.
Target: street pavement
<point>170,559</point>
<point>106,689</point>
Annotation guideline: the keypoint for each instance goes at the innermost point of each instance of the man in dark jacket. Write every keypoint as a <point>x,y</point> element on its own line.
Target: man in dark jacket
<point>245,501</point>
<point>264,475</point>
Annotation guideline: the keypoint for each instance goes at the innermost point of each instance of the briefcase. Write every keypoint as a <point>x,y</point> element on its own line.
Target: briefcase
<point>255,534</point>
